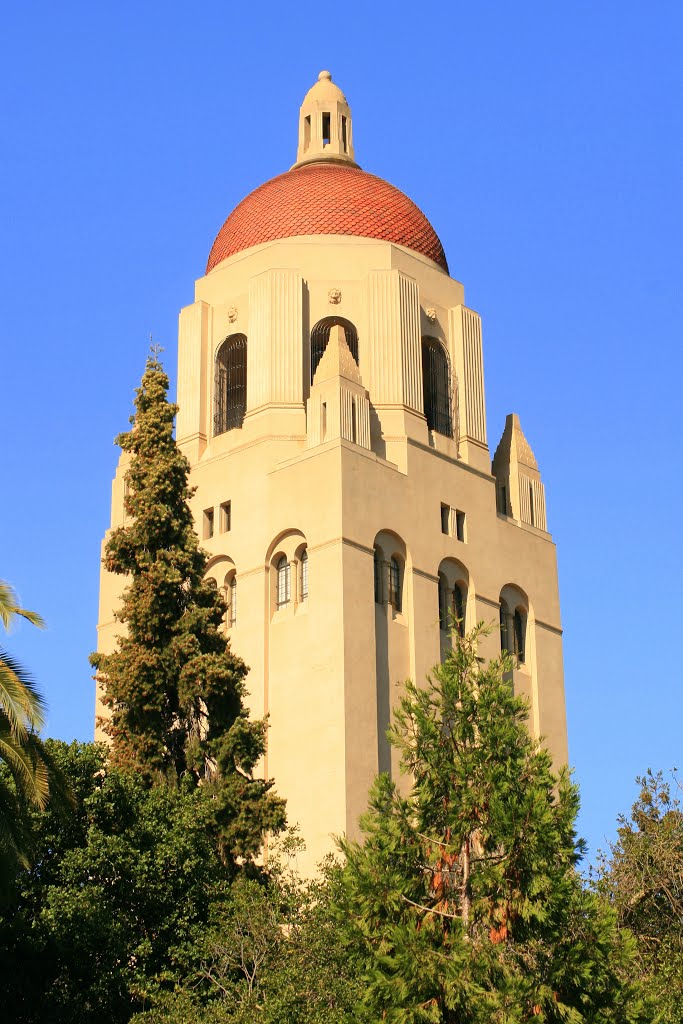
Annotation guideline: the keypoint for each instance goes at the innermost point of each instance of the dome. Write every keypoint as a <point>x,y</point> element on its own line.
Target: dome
<point>326,198</point>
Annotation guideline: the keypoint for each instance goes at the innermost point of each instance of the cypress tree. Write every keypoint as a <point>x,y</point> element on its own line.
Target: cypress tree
<point>174,688</point>
<point>464,896</point>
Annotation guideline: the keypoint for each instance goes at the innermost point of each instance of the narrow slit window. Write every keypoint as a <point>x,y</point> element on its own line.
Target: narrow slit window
<point>445,519</point>
<point>503,500</point>
<point>226,517</point>
<point>324,420</point>
<point>532,510</point>
<point>326,129</point>
<point>304,575</point>
<point>354,423</point>
<point>460,526</point>
<point>284,582</point>
<point>378,576</point>
<point>232,601</point>
<point>395,584</point>
<point>307,132</point>
<point>344,142</point>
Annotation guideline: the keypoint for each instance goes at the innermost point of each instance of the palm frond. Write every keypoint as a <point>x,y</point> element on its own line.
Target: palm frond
<point>19,698</point>
<point>9,608</point>
<point>26,762</point>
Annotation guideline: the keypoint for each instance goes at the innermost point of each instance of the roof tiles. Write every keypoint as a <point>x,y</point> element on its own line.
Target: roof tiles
<point>326,199</point>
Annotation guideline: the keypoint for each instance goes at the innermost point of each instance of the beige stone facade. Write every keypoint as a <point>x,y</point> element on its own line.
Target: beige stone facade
<point>349,512</point>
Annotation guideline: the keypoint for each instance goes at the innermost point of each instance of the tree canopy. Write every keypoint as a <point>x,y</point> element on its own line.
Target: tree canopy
<point>174,688</point>
<point>464,893</point>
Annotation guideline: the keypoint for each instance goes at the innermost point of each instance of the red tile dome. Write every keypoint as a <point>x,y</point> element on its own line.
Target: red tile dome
<point>326,198</point>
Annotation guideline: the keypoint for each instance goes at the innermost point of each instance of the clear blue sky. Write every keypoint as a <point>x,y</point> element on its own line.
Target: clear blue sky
<point>542,139</point>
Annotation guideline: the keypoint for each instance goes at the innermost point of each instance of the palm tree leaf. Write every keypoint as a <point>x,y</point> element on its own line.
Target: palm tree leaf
<point>26,762</point>
<point>19,698</point>
<point>9,608</point>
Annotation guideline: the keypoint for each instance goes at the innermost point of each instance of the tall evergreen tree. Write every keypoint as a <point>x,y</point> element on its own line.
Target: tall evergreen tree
<point>464,895</point>
<point>175,690</point>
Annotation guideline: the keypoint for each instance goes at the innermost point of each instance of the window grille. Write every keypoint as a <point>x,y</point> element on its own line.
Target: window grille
<point>284,582</point>
<point>395,584</point>
<point>230,384</point>
<point>320,335</point>
<point>436,387</point>
<point>443,603</point>
<point>232,601</point>
<point>504,631</point>
<point>304,574</point>
<point>451,606</point>
<point>459,609</point>
<point>519,638</point>
<point>378,577</point>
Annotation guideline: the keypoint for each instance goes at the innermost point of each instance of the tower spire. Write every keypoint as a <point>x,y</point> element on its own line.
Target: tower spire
<point>325,131</point>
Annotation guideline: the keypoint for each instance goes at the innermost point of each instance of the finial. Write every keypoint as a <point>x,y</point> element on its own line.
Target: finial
<point>324,76</point>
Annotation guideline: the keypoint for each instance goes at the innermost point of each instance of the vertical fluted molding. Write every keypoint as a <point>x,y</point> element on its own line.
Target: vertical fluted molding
<point>384,334</point>
<point>194,392</point>
<point>411,349</point>
<point>286,336</point>
<point>466,334</point>
<point>258,342</point>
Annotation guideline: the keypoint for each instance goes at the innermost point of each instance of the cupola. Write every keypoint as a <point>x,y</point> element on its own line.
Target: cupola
<point>325,125</point>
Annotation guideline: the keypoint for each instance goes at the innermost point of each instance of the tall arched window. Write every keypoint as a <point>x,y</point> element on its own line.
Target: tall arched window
<point>452,605</point>
<point>505,645</point>
<point>378,576</point>
<point>395,584</point>
<point>519,629</point>
<point>304,574</point>
<point>436,387</point>
<point>320,335</point>
<point>230,384</point>
<point>284,582</point>
<point>232,601</point>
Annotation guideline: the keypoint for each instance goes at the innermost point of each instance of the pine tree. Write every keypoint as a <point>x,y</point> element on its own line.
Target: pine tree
<point>464,895</point>
<point>175,690</point>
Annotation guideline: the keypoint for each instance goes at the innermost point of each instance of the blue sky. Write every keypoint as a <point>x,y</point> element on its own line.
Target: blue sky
<point>543,140</point>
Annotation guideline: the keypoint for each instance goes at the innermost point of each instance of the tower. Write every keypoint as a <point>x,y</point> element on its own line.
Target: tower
<point>331,405</point>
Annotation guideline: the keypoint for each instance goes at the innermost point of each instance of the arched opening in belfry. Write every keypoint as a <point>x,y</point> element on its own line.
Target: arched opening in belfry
<point>230,384</point>
<point>436,387</point>
<point>320,335</point>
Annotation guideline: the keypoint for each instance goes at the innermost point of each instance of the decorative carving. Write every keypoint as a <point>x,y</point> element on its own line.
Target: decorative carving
<point>431,315</point>
<point>232,313</point>
<point>334,295</point>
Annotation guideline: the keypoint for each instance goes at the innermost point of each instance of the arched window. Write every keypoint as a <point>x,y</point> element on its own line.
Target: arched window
<point>395,583</point>
<point>230,384</point>
<point>304,574</point>
<point>284,582</point>
<point>378,576</point>
<point>505,645</point>
<point>436,387</point>
<point>519,629</point>
<point>452,604</point>
<point>320,335</point>
<point>232,601</point>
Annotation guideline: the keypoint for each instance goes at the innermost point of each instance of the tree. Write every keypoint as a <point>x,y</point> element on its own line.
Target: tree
<point>642,878</point>
<point>464,896</point>
<point>174,688</point>
<point>121,886</point>
<point>26,780</point>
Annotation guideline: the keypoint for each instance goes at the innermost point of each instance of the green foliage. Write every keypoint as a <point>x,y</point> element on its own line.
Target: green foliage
<point>642,878</point>
<point>272,952</point>
<point>464,898</point>
<point>121,886</point>
<point>25,782</point>
<point>174,688</point>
